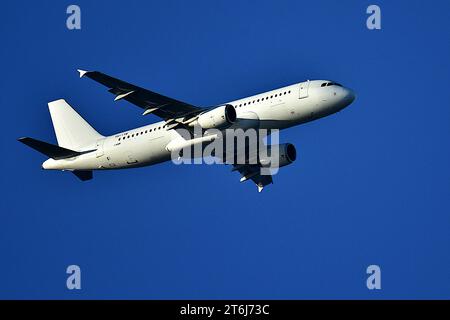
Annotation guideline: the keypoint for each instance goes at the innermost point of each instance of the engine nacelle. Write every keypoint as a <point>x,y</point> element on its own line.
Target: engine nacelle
<point>221,117</point>
<point>285,153</point>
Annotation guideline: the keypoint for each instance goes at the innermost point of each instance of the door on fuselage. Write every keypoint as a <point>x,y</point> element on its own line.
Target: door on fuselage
<point>304,88</point>
<point>99,146</point>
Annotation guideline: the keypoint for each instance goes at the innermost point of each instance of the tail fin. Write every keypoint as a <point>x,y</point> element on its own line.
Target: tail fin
<point>72,131</point>
<point>50,150</point>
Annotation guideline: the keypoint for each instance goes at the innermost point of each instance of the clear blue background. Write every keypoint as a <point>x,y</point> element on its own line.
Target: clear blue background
<point>371,184</point>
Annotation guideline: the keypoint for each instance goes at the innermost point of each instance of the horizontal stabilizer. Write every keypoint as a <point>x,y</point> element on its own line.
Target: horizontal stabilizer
<point>83,175</point>
<point>51,150</point>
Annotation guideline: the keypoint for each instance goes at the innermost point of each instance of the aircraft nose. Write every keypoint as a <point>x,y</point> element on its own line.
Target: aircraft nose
<point>345,98</point>
<point>349,96</point>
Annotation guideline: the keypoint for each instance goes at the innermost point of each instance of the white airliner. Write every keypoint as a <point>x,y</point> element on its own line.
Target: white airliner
<point>82,149</point>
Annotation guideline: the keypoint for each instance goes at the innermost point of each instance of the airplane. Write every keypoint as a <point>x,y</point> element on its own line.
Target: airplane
<point>81,149</point>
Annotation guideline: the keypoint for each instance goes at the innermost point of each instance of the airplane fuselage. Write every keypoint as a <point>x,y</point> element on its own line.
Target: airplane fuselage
<point>277,109</point>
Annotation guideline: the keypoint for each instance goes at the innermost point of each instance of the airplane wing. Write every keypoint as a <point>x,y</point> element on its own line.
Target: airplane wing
<point>152,102</point>
<point>253,172</point>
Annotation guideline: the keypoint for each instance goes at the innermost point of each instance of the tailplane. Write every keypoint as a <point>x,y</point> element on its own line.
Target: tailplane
<point>72,131</point>
<point>57,153</point>
<point>50,150</point>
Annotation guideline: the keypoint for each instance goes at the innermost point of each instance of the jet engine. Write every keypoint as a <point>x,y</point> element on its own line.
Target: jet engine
<point>220,117</point>
<point>285,154</point>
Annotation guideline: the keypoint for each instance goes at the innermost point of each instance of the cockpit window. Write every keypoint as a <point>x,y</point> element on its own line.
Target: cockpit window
<point>333,84</point>
<point>327,84</point>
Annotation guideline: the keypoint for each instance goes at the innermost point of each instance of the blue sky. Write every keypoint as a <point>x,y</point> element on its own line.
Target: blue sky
<point>371,184</point>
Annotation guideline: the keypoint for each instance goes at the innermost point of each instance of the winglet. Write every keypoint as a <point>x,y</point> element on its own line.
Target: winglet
<point>82,72</point>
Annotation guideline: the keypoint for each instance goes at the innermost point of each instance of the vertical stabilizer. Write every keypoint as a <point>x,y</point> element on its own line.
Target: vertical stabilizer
<point>72,131</point>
